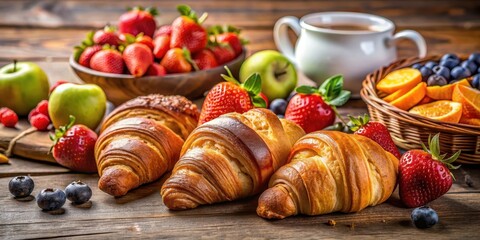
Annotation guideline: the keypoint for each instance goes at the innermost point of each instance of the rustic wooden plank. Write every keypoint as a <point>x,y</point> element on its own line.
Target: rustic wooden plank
<point>458,211</point>
<point>20,166</point>
<point>40,43</point>
<point>262,14</point>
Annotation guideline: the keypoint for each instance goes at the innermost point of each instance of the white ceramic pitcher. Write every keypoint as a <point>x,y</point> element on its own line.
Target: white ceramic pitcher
<point>322,52</point>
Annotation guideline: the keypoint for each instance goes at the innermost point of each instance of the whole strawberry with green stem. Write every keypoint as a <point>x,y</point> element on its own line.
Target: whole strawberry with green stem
<point>315,108</point>
<point>231,96</point>
<point>424,175</point>
<point>375,131</point>
<point>187,30</point>
<point>73,147</point>
<point>107,35</point>
<point>177,60</point>
<point>108,60</point>
<point>137,57</point>
<point>229,35</point>
<point>138,20</point>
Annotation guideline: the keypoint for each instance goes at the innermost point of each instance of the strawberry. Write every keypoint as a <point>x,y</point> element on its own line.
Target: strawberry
<point>375,131</point>
<point>233,40</point>
<point>314,109</point>
<point>156,70</point>
<point>187,30</point>
<point>223,53</point>
<point>161,46</point>
<point>228,35</point>
<point>205,59</point>
<point>164,30</point>
<point>107,60</point>
<point>231,96</point>
<point>138,57</point>
<point>73,147</point>
<point>138,20</point>
<point>87,55</point>
<point>424,175</point>
<point>177,60</point>
<point>106,36</point>
<point>144,39</point>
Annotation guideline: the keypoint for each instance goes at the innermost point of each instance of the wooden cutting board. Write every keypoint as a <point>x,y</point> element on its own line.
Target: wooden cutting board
<point>32,145</point>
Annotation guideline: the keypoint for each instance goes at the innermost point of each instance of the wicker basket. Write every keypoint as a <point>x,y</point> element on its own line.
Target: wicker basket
<point>408,130</point>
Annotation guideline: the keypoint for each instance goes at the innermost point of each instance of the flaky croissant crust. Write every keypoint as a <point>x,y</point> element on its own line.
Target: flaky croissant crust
<point>330,171</point>
<point>228,158</point>
<point>141,140</point>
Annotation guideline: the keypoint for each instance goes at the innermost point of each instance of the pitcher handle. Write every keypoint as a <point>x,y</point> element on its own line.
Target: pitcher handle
<point>280,35</point>
<point>415,37</point>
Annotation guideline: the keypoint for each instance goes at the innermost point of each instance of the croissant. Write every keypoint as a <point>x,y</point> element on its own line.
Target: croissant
<point>228,158</point>
<point>141,140</point>
<point>328,172</point>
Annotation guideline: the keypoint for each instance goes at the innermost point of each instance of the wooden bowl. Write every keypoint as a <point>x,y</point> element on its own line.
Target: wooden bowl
<point>408,130</point>
<point>120,88</point>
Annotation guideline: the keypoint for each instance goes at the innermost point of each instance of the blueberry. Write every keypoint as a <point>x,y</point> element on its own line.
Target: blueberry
<point>442,71</point>
<point>78,192</point>
<point>460,73</point>
<point>436,80</point>
<point>280,116</point>
<point>475,57</point>
<point>470,65</point>
<point>51,199</point>
<point>431,64</point>
<point>424,217</point>
<point>417,66</point>
<point>278,106</point>
<point>426,72</point>
<point>21,186</point>
<point>450,63</point>
<point>449,56</point>
<point>476,81</point>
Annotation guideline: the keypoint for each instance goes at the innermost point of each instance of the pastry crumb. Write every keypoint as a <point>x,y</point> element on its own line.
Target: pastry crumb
<point>331,222</point>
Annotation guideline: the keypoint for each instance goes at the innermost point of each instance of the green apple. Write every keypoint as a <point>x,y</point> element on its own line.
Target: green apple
<point>22,86</point>
<point>86,102</point>
<point>278,74</point>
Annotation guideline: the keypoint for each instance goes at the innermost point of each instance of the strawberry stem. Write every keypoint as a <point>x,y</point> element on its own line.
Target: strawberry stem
<point>434,150</point>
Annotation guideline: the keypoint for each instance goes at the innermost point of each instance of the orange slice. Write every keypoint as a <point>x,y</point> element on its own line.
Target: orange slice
<point>444,92</point>
<point>442,110</point>
<point>469,98</point>
<point>396,94</point>
<point>411,98</point>
<point>425,100</point>
<point>399,79</point>
<point>471,121</point>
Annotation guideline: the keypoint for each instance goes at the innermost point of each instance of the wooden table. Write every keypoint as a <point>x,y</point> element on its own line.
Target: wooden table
<point>45,32</point>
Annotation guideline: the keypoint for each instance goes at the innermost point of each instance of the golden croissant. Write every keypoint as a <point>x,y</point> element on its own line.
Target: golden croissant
<point>141,140</point>
<point>228,158</point>
<point>328,172</point>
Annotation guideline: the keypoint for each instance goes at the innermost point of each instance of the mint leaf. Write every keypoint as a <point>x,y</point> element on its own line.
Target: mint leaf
<point>341,99</point>
<point>306,89</point>
<point>331,87</point>
<point>253,84</point>
<point>259,102</point>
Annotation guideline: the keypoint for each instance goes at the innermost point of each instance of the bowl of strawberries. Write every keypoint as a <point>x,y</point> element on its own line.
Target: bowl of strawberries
<point>138,58</point>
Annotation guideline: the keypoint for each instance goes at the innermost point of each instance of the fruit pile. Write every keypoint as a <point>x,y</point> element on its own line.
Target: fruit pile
<point>447,91</point>
<point>138,48</point>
